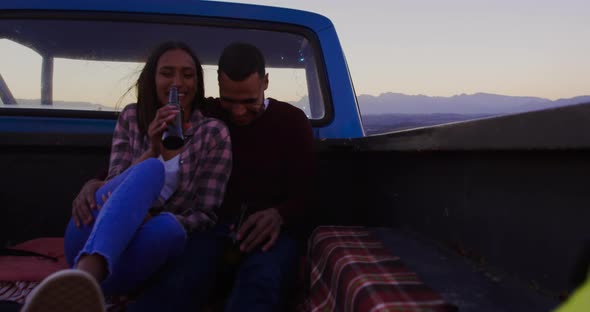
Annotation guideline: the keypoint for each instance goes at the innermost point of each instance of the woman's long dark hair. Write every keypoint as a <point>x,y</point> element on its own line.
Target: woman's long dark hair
<point>147,98</point>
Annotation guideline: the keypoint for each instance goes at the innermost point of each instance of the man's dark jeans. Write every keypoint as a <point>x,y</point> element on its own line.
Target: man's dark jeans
<point>186,284</point>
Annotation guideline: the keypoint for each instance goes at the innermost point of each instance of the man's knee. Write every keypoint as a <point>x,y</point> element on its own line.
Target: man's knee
<point>259,287</point>
<point>267,272</point>
<point>196,264</point>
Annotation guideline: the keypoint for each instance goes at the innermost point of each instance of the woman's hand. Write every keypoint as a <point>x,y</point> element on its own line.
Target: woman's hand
<point>164,116</point>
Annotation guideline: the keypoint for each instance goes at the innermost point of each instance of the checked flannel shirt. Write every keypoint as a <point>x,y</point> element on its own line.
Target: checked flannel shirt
<point>205,165</point>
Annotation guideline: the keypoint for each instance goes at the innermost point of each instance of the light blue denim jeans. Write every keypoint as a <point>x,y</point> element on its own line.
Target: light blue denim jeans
<point>133,250</point>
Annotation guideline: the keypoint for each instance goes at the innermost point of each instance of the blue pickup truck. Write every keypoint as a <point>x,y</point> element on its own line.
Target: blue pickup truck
<point>492,214</point>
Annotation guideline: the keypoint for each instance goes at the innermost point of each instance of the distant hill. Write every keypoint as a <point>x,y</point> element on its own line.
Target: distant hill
<point>395,111</point>
<point>478,103</point>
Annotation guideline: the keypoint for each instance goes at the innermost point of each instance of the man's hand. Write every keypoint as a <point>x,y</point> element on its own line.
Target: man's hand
<point>84,202</point>
<point>262,226</point>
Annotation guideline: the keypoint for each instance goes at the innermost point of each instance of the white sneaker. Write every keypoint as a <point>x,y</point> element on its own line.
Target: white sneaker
<point>66,291</point>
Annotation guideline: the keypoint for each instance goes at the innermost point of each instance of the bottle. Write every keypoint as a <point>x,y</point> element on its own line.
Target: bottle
<point>172,138</point>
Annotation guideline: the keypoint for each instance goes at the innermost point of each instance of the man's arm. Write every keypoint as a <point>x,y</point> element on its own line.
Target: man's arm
<point>301,169</point>
<point>265,226</point>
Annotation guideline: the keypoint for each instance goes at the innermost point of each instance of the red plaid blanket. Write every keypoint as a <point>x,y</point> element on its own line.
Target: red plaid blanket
<point>19,275</point>
<point>351,270</point>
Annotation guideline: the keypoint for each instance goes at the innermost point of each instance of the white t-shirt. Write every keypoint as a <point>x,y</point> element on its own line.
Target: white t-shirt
<point>171,167</point>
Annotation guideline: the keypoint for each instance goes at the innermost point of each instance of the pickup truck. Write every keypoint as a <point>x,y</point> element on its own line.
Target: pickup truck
<point>492,214</point>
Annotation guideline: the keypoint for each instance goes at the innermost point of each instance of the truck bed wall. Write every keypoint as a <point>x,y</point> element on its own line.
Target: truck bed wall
<point>525,213</point>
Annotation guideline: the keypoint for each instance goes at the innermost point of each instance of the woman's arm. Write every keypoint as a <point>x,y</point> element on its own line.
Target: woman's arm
<point>121,153</point>
<point>164,116</point>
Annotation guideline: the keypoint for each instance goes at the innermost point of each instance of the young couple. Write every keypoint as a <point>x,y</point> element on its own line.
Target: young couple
<point>158,226</point>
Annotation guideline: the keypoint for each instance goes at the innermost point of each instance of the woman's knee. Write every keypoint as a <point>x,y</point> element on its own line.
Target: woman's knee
<point>151,167</point>
<point>149,175</point>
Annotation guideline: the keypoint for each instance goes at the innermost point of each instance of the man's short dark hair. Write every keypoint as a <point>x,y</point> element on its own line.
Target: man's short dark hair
<point>240,60</point>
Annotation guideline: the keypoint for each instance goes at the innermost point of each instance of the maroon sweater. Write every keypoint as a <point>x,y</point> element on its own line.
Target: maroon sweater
<point>273,162</point>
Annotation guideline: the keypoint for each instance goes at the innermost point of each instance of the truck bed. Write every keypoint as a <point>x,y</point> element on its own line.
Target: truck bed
<point>468,285</point>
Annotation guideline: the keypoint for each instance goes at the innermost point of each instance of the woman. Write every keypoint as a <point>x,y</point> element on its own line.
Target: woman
<point>152,196</point>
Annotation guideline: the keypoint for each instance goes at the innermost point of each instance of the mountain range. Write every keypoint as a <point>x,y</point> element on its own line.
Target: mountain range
<point>478,103</point>
<point>395,111</point>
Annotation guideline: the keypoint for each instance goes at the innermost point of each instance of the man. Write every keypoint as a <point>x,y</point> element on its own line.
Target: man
<point>273,168</point>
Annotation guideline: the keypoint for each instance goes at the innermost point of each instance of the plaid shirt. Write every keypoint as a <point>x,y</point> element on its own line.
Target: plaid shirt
<point>205,165</point>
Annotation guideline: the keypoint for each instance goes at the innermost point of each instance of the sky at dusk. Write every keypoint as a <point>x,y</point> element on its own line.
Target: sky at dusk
<point>436,48</point>
<point>442,48</point>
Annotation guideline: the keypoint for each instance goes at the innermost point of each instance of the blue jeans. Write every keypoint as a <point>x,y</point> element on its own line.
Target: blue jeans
<point>187,282</point>
<point>133,250</point>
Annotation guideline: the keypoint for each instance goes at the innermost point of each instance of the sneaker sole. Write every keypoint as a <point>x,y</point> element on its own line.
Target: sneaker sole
<point>66,291</point>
